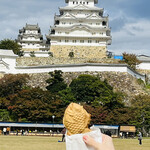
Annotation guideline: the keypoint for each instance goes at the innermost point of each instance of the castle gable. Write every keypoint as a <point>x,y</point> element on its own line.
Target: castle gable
<point>81,6</point>
<point>68,15</point>
<point>93,16</point>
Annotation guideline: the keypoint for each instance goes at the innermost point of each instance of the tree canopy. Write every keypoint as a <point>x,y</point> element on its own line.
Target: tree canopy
<point>131,60</point>
<point>56,82</point>
<point>10,45</point>
<point>92,90</point>
<point>11,84</point>
<point>18,102</point>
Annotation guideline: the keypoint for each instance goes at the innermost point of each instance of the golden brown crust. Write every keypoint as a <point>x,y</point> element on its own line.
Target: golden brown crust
<point>76,119</point>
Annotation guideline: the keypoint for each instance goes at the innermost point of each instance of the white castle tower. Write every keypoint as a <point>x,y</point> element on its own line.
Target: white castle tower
<point>80,29</point>
<point>31,39</point>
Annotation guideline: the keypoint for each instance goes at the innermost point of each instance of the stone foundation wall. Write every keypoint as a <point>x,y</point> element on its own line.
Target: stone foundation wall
<point>122,82</point>
<point>79,51</point>
<point>42,61</point>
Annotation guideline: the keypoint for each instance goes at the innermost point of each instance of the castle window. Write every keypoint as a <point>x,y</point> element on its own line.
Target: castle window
<point>81,41</point>
<point>97,41</point>
<point>80,2</point>
<point>66,41</point>
<point>74,41</point>
<point>89,41</point>
<point>57,22</point>
<point>52,31</point>
<point>83,2</point>
<point>73,2</point>
<point>76,2</point>
<point>104,23</point>
<point>66,32</point>
<point>87,3</point>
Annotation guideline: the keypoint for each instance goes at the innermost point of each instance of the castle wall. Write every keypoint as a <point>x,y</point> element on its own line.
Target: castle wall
<point>79,51</point>
<point>30,49</point>
<point>42,61</point>
<point>122,82</point>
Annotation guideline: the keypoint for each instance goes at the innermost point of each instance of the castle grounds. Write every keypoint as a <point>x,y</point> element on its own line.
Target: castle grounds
<point>51,143</point>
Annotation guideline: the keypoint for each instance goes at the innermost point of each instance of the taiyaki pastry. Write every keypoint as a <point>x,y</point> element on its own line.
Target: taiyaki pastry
<point>76,119</point>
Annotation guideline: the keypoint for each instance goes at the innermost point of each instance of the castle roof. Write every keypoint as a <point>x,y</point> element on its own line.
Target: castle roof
<point>95,1</point>
<point>7,53</point>
<point>32,27</point>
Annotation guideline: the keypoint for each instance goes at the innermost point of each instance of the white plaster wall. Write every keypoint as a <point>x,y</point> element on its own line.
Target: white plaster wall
<point>90,2</point>
<point>78,68</point>
<point>136,75</point>
<point>10,61</point>
<point>70,69</point>
<point>101,43</point>
<point>25,45</point>
<point>30,39</point>
<point>144,66</point>
<point>31,32</point>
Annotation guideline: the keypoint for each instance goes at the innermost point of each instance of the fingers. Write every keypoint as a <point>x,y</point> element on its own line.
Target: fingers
<point>90,141</point>
<point>106,144</point>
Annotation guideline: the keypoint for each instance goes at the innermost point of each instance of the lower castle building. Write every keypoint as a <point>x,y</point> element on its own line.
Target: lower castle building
<point>31,39</point>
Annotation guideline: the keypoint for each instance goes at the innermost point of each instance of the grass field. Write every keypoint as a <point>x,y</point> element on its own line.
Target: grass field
<point>51,143</point>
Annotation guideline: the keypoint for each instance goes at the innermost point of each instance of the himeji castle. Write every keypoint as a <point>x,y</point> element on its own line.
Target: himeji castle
<point>31,39</point>
<point>80,30</point>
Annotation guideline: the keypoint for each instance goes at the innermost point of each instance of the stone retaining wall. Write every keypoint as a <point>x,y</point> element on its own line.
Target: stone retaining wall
<point>60,51</point>
<point>122,82</point>
<point>43,61</point>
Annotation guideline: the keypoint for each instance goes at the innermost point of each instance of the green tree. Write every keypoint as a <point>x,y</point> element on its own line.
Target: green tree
<point>92,90</point>
<point>11,84</point>
<point>4,115</point>
<point>10,45</point>
<point>67,96</point>
<point>141,107</point>
<point>56,82</point>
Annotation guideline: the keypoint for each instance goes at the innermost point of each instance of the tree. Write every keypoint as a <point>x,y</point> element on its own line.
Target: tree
<point>10,45</point>
<point>141,107</point>
<point>35,105</point>
<point>4,115</point>
<point>11,84</point>
<point>131,60</point>
<point>98,114</point>
<point>92,90</point>
<point>56,82</point>
<point>67,96</point>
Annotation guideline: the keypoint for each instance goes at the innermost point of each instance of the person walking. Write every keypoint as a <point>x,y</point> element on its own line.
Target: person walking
<point>140,138</point>
<point>63,134</point>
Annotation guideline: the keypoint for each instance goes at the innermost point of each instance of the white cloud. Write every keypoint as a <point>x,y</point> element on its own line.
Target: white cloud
<point>133,38</point>
<point>128,33</point>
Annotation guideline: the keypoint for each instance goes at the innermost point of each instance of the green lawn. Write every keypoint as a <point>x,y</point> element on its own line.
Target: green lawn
<point>51,143</point>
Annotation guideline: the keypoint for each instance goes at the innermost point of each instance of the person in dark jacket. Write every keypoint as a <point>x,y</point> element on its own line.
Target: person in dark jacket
<point>63,134</point>
<point>140,138</point>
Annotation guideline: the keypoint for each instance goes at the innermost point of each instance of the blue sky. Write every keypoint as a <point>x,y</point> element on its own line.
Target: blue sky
<point>129,20</point>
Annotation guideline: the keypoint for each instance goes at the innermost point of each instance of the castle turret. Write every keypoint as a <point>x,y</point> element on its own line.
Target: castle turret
<point>31,39</point>
<point>80,29</point>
